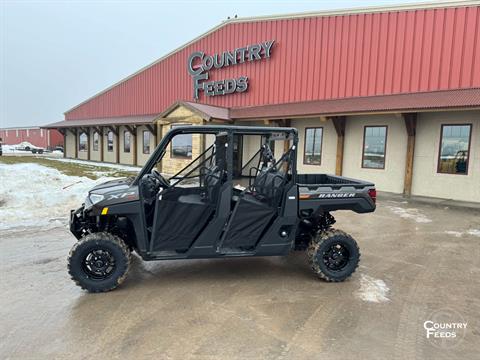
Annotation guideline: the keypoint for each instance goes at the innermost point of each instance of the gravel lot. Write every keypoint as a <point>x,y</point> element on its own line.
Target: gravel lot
<point>419,262</point>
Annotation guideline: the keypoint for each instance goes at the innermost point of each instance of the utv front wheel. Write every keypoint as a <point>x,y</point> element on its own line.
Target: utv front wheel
<point>99,262</point>
<point>333,255</point>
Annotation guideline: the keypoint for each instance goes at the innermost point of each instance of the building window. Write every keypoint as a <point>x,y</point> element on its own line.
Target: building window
<point>454,149</point>
<point>110,141</point>
<point>83,142</point>
<point>374,146</point>
<point>95,141</point>
<point>126,141</point>
<point>181,145</point>
<point>146,142</point>
<point>312,154</point>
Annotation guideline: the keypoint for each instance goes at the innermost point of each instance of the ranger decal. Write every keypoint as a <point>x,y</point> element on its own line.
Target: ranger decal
<point>336,195</point>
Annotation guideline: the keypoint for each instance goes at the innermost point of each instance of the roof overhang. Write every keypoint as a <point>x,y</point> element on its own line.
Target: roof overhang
<point>460,99</point>
<point>204,111</point>
<point>447,100</point>
<point>114,121</point>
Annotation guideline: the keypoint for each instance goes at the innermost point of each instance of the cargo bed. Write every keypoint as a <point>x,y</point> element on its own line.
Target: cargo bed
<point>325,193</point>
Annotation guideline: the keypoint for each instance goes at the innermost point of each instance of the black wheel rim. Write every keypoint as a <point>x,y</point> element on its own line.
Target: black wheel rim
<point>336,257</point>
<point>98,264</point>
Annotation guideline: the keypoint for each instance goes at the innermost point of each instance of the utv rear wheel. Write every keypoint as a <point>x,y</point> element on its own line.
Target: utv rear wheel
<point>99,262</point>
<point>333,255</point>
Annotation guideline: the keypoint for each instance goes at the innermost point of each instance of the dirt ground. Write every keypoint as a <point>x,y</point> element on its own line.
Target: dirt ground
<point>425,258</point>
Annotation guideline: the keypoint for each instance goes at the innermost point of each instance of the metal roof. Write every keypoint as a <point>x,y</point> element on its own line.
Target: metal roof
<point>301,15</point>
<point>433,100</point>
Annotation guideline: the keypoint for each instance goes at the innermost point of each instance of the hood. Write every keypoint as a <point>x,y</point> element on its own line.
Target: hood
<point>113,192</point>
<point>112,186</point>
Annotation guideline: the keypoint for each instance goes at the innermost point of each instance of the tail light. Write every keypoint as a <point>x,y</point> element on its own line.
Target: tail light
<point>373,194</point>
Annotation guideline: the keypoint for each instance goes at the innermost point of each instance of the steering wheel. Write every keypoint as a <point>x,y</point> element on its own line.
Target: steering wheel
<point>163,182</point>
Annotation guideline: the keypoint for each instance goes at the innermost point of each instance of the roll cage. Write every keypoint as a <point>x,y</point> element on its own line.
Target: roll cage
<point>268,133</point>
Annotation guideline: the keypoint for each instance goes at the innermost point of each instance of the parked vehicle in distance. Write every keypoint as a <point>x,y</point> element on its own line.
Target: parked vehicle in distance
<point>58,148</point>
<point>216,207</point>
<point>26,146</point>
<point>37,151</point>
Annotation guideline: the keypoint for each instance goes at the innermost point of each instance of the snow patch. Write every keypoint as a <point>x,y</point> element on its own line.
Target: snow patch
<point>412,214</point>
<point>372,290</point>
<point>33,195</point>
<point>458,234</point>
<point>99,164</point>
<point>474,232</point>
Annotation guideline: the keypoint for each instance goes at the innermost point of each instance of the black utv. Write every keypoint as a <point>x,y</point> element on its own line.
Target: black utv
<point>238,194</point>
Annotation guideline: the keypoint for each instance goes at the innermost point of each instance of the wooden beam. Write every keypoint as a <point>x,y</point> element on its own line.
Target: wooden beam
<point>88,143</point>
<point>64,133</point>
<point>75,133</point>
<point>113,129</point>
<point>133,144</point>
<point>151,128</point>
<point>100,142</point>
<point>278,122</point>
<point>155,134</point>
<point>117,132</point>
<point>339,123</point>
<point>410,120</point>
<point>131,129</point>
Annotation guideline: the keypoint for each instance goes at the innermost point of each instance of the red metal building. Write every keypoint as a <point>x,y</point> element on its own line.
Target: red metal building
<point>314,57</point>
<point>44,138</point>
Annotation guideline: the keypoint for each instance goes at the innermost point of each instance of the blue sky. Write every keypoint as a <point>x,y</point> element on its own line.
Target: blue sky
<point>55,54</point>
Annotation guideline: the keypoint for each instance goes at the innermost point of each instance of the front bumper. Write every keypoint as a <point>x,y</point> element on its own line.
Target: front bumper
<point>77,222</point>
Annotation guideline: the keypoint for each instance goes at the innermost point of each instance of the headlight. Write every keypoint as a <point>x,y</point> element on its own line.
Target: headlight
<point>93,199</point>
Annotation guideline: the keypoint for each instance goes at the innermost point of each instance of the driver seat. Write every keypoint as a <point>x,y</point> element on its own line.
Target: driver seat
<point>212,180</point>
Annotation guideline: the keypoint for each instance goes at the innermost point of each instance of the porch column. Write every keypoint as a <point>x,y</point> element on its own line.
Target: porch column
<point>410,120</point>
<point>117,150</point>
<point>75,133</point>
<point>339,123</point>
<point>99,131</point>
<point>64,134</point>
<point>133,145</point>
<point>88,130</point>
<point>155,136</point>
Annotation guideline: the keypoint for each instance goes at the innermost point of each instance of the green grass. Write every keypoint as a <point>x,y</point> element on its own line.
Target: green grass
<point>71,169</point>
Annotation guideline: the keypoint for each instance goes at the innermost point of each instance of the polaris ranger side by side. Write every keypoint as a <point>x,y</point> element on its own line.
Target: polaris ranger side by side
<point>238,194</point>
